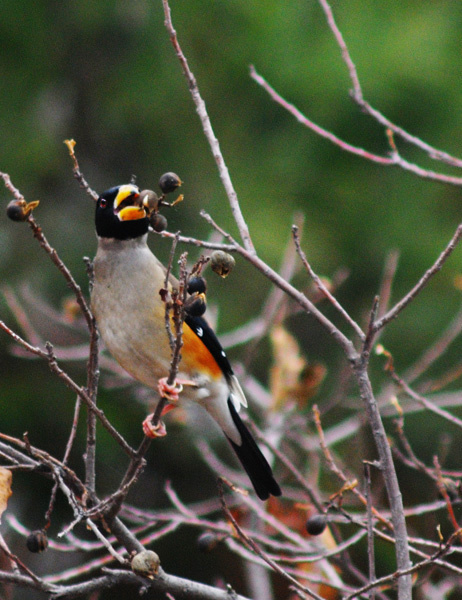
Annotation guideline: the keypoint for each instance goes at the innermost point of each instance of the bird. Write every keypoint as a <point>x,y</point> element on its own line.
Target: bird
<point>130,316</point>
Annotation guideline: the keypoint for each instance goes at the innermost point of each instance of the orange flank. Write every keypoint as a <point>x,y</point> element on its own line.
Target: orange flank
<point>196,356</point>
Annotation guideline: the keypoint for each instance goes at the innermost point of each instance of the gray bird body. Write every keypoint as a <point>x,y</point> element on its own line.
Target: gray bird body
<point>130,313</point>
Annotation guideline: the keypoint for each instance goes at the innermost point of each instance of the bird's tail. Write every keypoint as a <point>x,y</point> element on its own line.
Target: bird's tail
<point>253,461</point>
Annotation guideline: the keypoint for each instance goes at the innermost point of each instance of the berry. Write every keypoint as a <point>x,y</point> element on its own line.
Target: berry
<point>197,284</point>
<point>19,210</point>
<point>37,541</point>
<point>221,263</point>
<point>316,524</point>
<point>158,222</point>
<point>146,563</point>
<point>169,182</point>
<point>150,200</point>
<point>207,542</point>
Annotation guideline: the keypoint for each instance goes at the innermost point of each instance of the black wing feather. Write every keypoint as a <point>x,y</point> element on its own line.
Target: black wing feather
<point>203,330</point>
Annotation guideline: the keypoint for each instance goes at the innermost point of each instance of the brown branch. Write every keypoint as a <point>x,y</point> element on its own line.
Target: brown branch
<point>191,241</point>
<point>443,491</point>
<point>386,284</point>
<point>301,118</point>
<point>248,541</point>
<point>394,159</point>
<point>339,473</point>
<point>290,290</point>
<point>51,358</point>
<point>209,133</point>
<point>179,588</point>
<point>322,288</point>
<point>358,97</point>
<point>360,366</point>
<point>92,390</point>
<point>401,305</point>
<point>388,579</point>
<point>77,173</point>
<point>174,312</point>
<point>370,533</point>
<point>17,561</point>
<point>389,475</point>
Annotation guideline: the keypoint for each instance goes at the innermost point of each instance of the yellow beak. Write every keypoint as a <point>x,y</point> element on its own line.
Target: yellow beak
<point>131,213</point>
<point>133,210</point>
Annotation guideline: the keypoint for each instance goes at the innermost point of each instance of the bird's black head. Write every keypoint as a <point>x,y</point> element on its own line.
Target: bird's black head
<point>119,213</point>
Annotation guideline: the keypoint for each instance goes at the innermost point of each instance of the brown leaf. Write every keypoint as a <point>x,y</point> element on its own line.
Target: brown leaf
<point>292,377</point>
<point>5,488</point>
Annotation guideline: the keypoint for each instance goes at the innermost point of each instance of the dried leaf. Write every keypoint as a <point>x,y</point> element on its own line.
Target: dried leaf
<point>292,378</point>
<point>5,488</point>
<point>71,310</point>
<point>294,515</point>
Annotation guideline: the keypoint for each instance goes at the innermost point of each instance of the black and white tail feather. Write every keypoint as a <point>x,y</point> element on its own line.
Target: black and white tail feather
<point>252,459</point>
<point>248,453</point>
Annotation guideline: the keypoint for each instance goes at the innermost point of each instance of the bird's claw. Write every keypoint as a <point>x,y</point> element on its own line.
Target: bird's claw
<point>170,392</point>
<point>153,431</point>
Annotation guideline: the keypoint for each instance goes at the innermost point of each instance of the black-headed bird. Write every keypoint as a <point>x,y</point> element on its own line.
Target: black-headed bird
<point>130,315</point>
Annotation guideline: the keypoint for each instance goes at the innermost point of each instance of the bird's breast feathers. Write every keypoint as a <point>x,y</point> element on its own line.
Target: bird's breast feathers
<point>131,317</point>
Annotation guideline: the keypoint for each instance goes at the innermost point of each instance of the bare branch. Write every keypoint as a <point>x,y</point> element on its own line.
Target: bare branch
<point>358,97</point>
<point>322,288</point>
<point>77,172</point>
<point>298,296</point>
<point>394,312</point>
<point>209,133</point>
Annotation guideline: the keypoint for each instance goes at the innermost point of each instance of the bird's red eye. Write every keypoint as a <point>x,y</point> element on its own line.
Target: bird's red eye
<point>103,203</point>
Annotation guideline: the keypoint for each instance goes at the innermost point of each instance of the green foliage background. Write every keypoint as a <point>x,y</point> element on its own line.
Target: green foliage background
<point>105,74</point>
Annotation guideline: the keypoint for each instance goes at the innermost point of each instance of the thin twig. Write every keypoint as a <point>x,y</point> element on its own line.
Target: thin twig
<point>253,546</point>
<point>322,288</point>
<point>298,296</point>
<point>301,118</point>
<point>389,474</point>
<point>191,241</point>
<point>386,284</point>
<point>50,356</point>
<point>209,133</point>
<point>65,459</point>
<point>425,402</point>
<point>394,158</point>
<point>92,389</point>
<point>370,533</point>
<point>20,315</point>
<point>274,305</point>
<point>436,350</point>
<point>284,458</point>
<point>358,97</point>
<point>342,477</point>
<point>77,173</point>
<point>394,312</point>
<point>39,235</point>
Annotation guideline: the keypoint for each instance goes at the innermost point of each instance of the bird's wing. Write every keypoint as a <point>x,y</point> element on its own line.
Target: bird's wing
<point>211,355</point>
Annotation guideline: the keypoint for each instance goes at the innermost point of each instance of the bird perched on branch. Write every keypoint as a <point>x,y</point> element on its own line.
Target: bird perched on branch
<point>130,314</point>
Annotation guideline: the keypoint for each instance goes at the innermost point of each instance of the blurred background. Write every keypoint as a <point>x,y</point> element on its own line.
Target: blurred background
<point>105,74</point>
